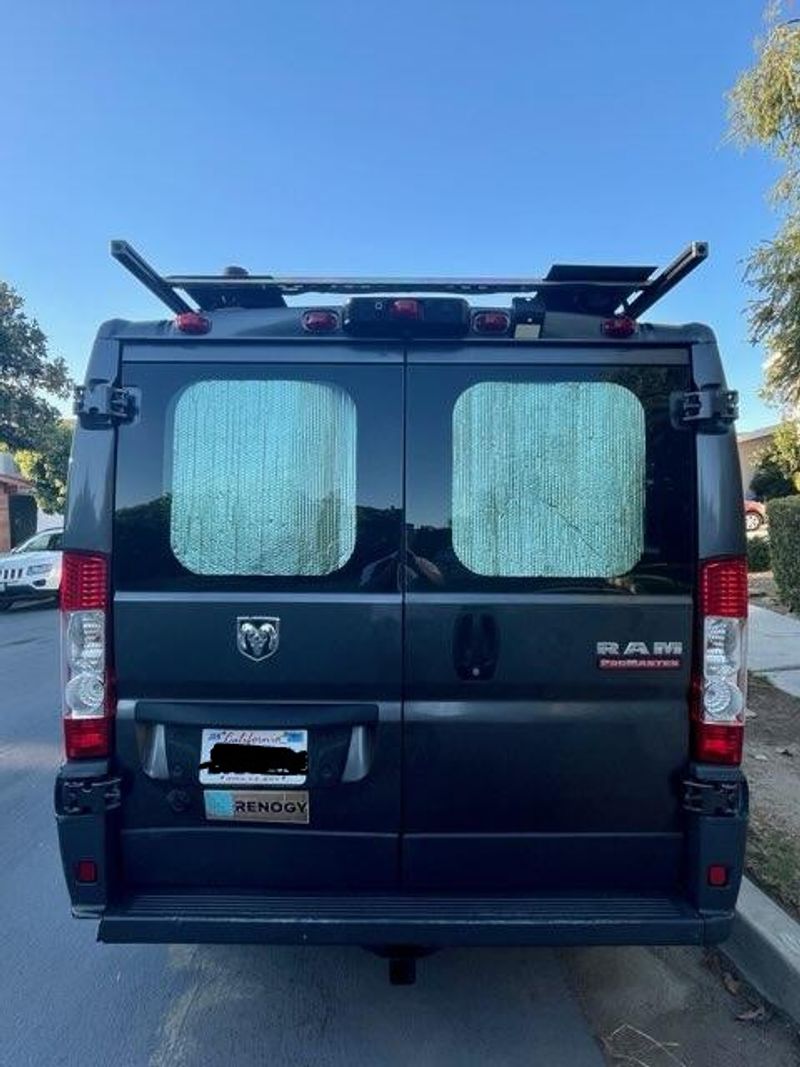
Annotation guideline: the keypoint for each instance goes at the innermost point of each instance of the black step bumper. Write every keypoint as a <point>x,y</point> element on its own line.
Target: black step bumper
<point>430,920</point>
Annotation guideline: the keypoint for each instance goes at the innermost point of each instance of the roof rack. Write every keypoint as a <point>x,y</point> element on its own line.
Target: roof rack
<point>598,290</point>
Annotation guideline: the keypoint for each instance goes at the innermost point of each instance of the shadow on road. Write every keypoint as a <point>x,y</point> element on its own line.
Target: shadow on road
<point>30,606</point>
<point>335,1007</point>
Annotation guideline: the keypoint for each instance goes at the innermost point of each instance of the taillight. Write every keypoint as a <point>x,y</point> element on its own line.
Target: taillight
<point>723,587</point>
<point>720,690</point>
<point>87,697</point>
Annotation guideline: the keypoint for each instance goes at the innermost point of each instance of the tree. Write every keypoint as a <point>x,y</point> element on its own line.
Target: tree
<point>29,376</point>
<point>47,467</point>
<point>777,468</point>
<point>765,112</point>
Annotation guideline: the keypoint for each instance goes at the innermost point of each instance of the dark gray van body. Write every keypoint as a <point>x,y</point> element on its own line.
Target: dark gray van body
<point>473,777</point>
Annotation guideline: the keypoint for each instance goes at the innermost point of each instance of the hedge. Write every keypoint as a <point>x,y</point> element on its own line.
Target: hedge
<point>784,537</point>
<point>758,557</point>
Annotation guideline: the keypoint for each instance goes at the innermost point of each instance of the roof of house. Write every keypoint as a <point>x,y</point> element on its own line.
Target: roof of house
<point>10,473</point>
<point>755,435</point>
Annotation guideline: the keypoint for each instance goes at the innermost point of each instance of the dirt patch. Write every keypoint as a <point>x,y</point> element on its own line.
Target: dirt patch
<point>772,766</point>
<point>764,592</point>
<point>676,1007</point>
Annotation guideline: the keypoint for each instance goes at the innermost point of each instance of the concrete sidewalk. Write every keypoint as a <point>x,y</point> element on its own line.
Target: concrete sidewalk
<point>774,648</point>
<point>765,943</point>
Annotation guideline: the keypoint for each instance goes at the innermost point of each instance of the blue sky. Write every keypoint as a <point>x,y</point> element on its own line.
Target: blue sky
<point>424,137</point>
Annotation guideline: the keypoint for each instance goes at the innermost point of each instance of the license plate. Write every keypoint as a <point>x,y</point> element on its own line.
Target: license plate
<point>254,757</point>
<point>261,805</point>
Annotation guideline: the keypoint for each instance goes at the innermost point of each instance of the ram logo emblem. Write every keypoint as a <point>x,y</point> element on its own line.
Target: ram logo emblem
<point>257,636</point>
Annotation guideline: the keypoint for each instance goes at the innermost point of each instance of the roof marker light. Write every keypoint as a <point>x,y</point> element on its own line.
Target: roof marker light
<point>619,326</point>
<point>491,322</point>
<point>320,320</point>
<point>192,322</point>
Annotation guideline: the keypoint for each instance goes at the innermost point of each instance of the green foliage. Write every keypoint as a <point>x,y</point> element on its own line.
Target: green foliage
<point>28,375</point>
<point>769,481</point>
<point>765,101</point>
<point>786,447</point>
<point>777,467</point>
<point>758,557</point>
<point>773,269</point>
<point>765,112</point>
<point>784,534</point>
<point>47,469</point>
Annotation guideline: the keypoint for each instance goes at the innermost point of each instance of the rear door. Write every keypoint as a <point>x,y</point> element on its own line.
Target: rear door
<point>256,597</point>
<point>550,509</point>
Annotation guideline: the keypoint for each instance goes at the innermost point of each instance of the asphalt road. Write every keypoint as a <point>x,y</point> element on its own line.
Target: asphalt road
<point>65,1000</point>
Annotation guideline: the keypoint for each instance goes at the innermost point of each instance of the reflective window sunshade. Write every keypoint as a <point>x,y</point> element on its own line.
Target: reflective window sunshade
<point>548,479</point>
<point>264,478</point>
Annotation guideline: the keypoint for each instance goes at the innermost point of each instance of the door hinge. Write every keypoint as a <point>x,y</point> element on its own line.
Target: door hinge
<point>712,410</point>
<point>89,797</point>
<point>100,404</point>
<point>712,798</point>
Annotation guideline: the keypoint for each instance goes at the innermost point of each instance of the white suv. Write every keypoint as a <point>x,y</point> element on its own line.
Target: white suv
<point>32,570</point>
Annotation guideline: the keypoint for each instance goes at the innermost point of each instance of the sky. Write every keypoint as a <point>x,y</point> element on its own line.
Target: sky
<point>451,137</point>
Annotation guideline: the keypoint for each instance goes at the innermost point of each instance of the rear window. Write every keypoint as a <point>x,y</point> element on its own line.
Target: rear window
<point>263,478</point>
<point>548,479</point>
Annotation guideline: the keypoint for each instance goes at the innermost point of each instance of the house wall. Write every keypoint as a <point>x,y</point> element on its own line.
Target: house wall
<point>5,520</point>
<point>9,487</point>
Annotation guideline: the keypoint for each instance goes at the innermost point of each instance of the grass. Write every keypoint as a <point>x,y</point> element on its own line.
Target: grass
<point>773,861</point>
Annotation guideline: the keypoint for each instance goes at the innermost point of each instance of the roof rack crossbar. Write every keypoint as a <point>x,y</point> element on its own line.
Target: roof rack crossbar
<point>690,258</point>
<point>148,276</point>
<point>209,291</point>
<point>298,286</point>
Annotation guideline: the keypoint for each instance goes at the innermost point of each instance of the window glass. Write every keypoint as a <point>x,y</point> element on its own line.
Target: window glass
<point>34,544</point>
<point>548,479</point>
<point>263,478</point>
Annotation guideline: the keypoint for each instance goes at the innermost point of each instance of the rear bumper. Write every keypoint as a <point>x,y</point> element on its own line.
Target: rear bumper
<point>394,919</point>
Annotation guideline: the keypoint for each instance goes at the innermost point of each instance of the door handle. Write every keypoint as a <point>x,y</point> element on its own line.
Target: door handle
<point>475,646</point>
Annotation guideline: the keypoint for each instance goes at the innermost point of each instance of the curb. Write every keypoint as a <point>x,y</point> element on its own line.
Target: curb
<point>765,946</point>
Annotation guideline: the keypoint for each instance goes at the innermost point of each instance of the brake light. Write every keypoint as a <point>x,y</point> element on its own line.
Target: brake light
<point>720,690</point>
<point>405,309</point>
<point>83,582</point>
<point>723,588</point>
<point>87,697</point>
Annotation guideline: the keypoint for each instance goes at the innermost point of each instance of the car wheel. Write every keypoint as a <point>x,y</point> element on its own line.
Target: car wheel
<point>753,521</point>
<point>5,605</point>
